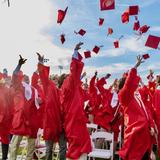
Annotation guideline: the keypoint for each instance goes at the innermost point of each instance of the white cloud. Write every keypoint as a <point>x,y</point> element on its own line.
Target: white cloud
<point>112,68</point>
<point>155,29</point>
<point>23,31</point>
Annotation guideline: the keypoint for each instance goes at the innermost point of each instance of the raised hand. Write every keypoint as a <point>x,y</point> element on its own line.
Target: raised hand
<point>96,73</point>
<point>78,46</point>
<point>21,60</point>
<point>107,75</point>
<point>84,74</point>
<point>139,61</point>
<point>40,57</point>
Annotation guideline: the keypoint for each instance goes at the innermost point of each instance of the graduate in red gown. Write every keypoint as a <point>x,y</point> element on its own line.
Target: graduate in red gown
<point>36,83</point>
<point>136,119</point>
<point>5,116</point>
<point>52,123</point>
<point>156,104</point>
<point>73,110</point>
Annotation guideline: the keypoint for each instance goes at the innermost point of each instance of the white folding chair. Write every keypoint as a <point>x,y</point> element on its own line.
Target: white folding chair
<point>102,153</point>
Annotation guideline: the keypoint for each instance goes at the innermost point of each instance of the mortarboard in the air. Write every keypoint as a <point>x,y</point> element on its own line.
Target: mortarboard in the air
<point>152,41</point>
<point>107,4</point>
<point>125,17</point>
<point>110,31</point>
<point>145,56</point>
<point>62,38</point>
<point>61,15</point>
<point>133,10</point>
<point>136,25</point>
<point>116,44</point>
<point>96,49</point>
<point>87,54</point>
<point>101,20</point>
<point>143,29</point>
<point>81,32</point>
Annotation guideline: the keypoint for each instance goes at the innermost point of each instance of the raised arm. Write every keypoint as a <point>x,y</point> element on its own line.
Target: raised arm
<point>43,72</point>
<point>131,84</point>
<point>17,75</point>
<point>76,66</point>
<point>92,88</point>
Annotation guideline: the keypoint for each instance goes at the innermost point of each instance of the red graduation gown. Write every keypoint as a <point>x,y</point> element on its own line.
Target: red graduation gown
<point>156,103</point>
<point>20,123</point>
<point>40,111</point>
<point>73,111</point>
<point>5,114</point>
<point>52,124</point>
<point>137,139</point>
<point>104,114</point>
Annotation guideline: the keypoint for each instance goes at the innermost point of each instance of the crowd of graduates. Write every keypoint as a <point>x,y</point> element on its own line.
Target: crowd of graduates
<point>56,105</point>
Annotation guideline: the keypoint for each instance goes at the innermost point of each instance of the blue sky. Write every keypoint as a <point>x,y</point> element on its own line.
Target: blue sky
<point>85,14</point>
<point>29,26</point>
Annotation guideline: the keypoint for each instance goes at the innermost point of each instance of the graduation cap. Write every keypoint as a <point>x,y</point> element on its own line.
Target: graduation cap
<point>152,41</point>
<point>143,29</point>
<point>116,43</point>
<point>87,54</point>
<point>96,49</point>
<point>101,20</point>
<point>107,4</point>
<point>145,56</point>
<point>125,17</point>
<point>62,38</point>
<point>61,15</point>
<point>136,26</point>
<point>133,10</point>
<point>110,31</point>
<point>81,32</point>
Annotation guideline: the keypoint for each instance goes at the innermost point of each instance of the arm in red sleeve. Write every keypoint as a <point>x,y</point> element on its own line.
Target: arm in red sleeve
<point>127,92</point>
<point>92,88</point>
<point>44,75</point>
<point>35,78</point>
<point>100,85</point>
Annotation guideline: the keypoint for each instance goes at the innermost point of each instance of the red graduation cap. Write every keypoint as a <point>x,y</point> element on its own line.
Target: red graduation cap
<point>145,56</point>
<point>81,32</point>
<point>61,15</point>
<point>152,41</point>
<point>116,44</point>
<point>133,10</point>
<point>62,37</point>
<point>107,4</point>
<point>136,26</point>
<point>110,31</point>
<point>101,20</point>
<point>125,17</point>
<point>143,29</point>
<point>87,54</point>
<point>96,49</point>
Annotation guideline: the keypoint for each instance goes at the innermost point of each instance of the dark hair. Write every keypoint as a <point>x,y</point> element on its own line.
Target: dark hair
<point>121,83</point>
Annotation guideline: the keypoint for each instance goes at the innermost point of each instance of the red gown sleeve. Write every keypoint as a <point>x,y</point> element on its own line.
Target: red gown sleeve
<point>92,88</point>
<point>126,93</point>
<point>44,75</point>
<point>100,85</point>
